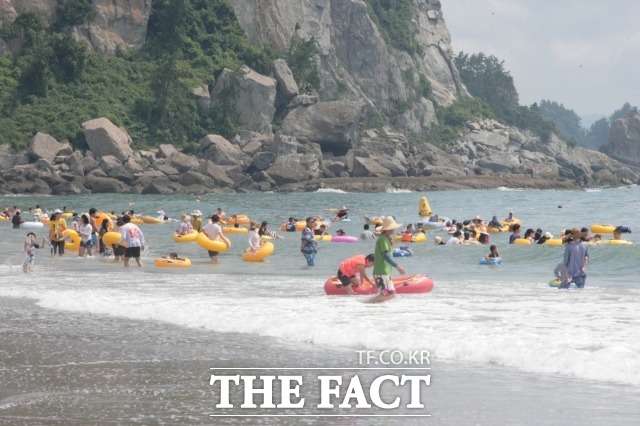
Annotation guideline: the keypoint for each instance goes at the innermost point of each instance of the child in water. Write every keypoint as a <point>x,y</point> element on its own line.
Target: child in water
<point>30,247</point>
<point>493,254</point>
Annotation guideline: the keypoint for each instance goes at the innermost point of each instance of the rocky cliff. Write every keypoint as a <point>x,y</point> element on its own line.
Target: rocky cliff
<point>293,141</point>
<point>118,23</point>
<point>624,140</point>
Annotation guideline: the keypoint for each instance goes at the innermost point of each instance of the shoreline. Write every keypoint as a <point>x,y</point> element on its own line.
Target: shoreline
<point>76,368</point>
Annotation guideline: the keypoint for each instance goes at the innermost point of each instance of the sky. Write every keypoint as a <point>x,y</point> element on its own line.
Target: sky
<point>583,54</point>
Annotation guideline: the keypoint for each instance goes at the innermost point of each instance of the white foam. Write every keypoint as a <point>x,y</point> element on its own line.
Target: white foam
<point>585,334</point>
<point>338,191</point>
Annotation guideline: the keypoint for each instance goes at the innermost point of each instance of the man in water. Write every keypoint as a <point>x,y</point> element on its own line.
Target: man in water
<point>576,258</point>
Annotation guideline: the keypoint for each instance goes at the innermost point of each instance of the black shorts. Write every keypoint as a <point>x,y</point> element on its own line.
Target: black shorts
<point>57,246</point>
<point>212,253</point>
<point>345,280</point>
<point>130,252</point>
<point>118,250</point>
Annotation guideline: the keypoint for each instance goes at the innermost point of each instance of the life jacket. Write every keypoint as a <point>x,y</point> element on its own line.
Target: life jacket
<point>407,237</point>
<point>349,266</point>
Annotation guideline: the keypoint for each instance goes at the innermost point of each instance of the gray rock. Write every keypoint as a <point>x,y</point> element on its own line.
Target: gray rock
<point>43,146</point>
<point>105,185</point>
<point>294,168</point>
<point>217,173</point>
<point>165,150</point>
<point>104,138</point>
<point>74,161</point>
<point>220,151</point>
<point>167,169</point>
<point>66,150</point>
<point>182,162</point>
<point>89,164</point>
<point>333,125</point>
<point>191,177</point>
<point>255,101</point>
<point>263,160</point>
<point>114,169</point>
<point>499,162</point>
<point>368,167</point>
<point>287,87</point>
<point>624,140</point>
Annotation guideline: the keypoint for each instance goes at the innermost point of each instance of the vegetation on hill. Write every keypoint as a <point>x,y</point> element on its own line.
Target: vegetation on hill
<point>54,84</point>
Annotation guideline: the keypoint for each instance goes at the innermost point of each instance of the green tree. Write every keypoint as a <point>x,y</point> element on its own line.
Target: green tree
<point>598,134</point>
<point>70,13</point>
<point>301,59</point>
<point>567,122</point>
<point>625,111</point>
<point>392,17</point>
<point>487,79</point>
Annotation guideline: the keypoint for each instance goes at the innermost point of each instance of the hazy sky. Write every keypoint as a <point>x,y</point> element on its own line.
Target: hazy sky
<point>584,54</point>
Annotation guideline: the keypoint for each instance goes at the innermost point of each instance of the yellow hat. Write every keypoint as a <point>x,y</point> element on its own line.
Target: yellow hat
<point>389,223</point>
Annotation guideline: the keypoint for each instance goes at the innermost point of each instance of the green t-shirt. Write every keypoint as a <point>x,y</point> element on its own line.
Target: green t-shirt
<point>381,266</point>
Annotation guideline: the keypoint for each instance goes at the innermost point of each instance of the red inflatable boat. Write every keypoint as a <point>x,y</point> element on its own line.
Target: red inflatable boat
<point>414,284</point>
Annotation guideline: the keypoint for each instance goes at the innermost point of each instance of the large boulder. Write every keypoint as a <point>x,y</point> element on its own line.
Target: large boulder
<point>105,185</point>
<point>114,169</point>
<point>182,162</point>
<point>44,146</point>
<point>255,99</point>
<point>221,151</point>
<point>332,125</point>
<point>215,172</point>
<point>294,168</point>
<point>105,138</point>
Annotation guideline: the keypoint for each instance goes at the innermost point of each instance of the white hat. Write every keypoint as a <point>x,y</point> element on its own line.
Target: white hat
<point>160,212</point>
<point>56,211</point>
<point>548,235</point>
<point>389,223</point>
<point>196,213</point>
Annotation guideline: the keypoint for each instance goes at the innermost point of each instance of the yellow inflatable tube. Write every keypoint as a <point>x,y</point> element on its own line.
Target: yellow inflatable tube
<point>522,241</point>
<point>206,243</point>
<point>265,250</point>
<point>66,215</point>
<point>300,225</point>
<point>165,262</point>
<point>149,219</point>
<point>418,237</point>
<point>615,242</point>
<point>240,219</point>
<point>513,222</point>
<point>234,230</point>
<point>553,242</point>
<point>602,229</point>
<point>110,238</point>
<point>190,237</point>
<point>326,237</point>
<point>74,244</point>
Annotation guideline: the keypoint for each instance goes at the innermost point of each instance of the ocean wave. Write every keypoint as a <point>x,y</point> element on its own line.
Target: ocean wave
<point>338,191</point>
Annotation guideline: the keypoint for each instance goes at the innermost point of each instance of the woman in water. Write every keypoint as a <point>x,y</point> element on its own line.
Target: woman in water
<point>493,255</point>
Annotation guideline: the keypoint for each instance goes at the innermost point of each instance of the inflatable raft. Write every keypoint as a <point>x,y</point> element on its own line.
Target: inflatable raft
<point>404,285</point>
<point>344,239</point>
<point>491,261</point>
<point>402,251</point>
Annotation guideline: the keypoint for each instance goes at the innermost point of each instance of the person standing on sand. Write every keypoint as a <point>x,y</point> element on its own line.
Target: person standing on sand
<point>576,258</point>
<point>383,262</point>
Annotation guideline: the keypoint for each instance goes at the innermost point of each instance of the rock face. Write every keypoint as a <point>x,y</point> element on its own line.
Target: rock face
<point>118,23</point>
<point>355,61</point>
<point>624,140</point>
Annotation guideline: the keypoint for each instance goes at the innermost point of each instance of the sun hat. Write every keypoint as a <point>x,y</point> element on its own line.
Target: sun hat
<point>575,232</point>
<point>196,213</point>
<point>548,235</point>
<point>160,212</point>
<point>389,223</point>
<point>344,208</point>
<point>437,239</point>
<point>56,211</point>
<point>477,217</point>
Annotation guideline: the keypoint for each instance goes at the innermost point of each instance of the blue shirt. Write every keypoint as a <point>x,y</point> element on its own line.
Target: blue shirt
<point>574,255</point>
<point>312,244</point>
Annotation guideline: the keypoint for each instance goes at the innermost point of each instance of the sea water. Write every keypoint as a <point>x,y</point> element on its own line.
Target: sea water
<point>488,329</point>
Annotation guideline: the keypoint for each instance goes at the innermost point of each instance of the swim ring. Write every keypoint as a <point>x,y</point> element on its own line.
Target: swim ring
<point>300,225</point>
<point>513,222</point>
<point>240,219</point>
<point>404,285</point>
<point>206,243</point>
<point>555,283</point>
<point>326,237</point>
<point>166,262</point>
<point>110,238</point>
<point>418,237</point>
<point>45,219</point>
<point>234,230</point>
<point>344,239</point>
<point>522,241</point>
<point>150,219</point>
<point>615,242</point>
<point>31,225</point>
<point>66,215</point>
<point>603,229</point>
<point>402,251</point>
<point>491,261</point>
<point>553,242</point>
<point>495,229</point>
<point>187,238</point>
<point>74,244</point>
<point>265,250</point>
